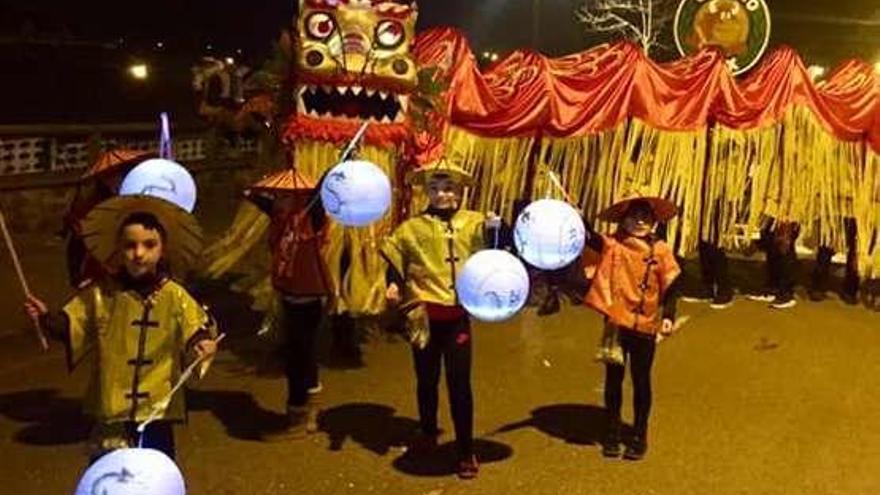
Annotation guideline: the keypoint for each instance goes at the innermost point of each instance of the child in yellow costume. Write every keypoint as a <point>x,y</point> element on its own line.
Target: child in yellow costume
<point>137,325</point>
<point>424,255</point>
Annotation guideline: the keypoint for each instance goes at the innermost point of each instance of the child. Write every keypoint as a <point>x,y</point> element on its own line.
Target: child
<point>424,254</point>
<point>301,281</point>
<point>137,323</point>
<point>633,288</point>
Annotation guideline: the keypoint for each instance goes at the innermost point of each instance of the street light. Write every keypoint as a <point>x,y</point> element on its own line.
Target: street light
<point>139,71</point>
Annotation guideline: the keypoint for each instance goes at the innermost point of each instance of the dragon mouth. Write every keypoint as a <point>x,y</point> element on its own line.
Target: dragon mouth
<point>354,103</point>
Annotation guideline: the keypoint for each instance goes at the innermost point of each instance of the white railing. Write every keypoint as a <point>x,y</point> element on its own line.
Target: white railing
<point>43,149</point>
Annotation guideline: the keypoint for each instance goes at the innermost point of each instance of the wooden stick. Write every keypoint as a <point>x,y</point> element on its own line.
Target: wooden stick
<point>24,285</point>
<point>558,184</point>
<point>160,406</point>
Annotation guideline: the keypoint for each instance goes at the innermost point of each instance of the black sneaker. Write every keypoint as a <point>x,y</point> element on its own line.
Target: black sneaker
<point>611,442</point>
<point>611,445</point>
<point>550,305</point>
<point>783,302</point>
<point>817,295</point>
<point>636,450</point>
<point>704,295</point>
<point>722,301</point>
<point>849,298</point>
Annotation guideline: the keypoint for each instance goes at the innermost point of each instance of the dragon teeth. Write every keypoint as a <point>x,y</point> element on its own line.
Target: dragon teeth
<point>357,90</point>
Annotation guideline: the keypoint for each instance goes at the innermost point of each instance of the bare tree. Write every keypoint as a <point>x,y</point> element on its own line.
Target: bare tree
<point>639,20</point>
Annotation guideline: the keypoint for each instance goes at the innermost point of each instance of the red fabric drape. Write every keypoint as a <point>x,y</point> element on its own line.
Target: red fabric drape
<point>528,94</point>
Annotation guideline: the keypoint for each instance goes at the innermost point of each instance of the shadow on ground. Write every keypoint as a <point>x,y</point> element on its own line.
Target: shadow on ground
<point>372,426</point>
<point>577,424</point>
<point>239,412</point>
<point>50,419</point>
<point>442,460</point>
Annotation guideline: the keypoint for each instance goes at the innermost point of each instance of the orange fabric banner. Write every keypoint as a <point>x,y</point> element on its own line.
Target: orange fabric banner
<point>528,94</point>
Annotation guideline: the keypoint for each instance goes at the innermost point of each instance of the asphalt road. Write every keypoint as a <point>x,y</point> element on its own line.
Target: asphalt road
<point>748,400</point>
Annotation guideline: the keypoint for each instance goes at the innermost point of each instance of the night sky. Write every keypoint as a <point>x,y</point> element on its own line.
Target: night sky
<point>104,36</point>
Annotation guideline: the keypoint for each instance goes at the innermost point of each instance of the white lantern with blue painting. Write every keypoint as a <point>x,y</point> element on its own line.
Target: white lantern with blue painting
<point>356,193</point>
<point>161,178</point>
<point>549,234</point>
<point>493,285</point>
<point>132,472</point>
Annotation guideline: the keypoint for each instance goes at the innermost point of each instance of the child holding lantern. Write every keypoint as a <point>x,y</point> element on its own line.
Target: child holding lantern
<point>423,255</point>
<point>634,287</point>
<point>136,324</point>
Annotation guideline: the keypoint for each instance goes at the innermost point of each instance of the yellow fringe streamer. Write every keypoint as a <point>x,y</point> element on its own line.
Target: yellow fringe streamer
<point>868,214</point>
<point>600,169</point>
<point>499,167</point>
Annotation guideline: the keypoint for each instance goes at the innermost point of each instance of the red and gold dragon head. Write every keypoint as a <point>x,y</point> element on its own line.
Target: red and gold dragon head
<point>353,64</point>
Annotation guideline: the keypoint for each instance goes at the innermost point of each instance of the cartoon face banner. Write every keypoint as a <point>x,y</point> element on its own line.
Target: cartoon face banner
<point>132,472</point>
<point>549,234</point>
<point>356,193</point>
<point>741,28</point>
<point>493,285</point>
<point>163,179</point>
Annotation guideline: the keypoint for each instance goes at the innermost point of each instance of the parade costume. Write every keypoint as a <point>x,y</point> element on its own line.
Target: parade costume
<point>633,287</point>
<point>297,234</point>
<point>100,182</point>
<point>135,332</point>
<point>424,254</point>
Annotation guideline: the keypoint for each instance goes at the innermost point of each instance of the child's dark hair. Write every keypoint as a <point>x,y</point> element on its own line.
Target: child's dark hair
<point>147,221</point>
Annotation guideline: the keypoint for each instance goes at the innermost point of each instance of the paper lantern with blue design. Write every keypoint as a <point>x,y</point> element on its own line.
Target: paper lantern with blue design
<point>132,472</point>
<point>549,234</point>
<point>163,179</point>
<point>356,193</point>
<point>493,285</point>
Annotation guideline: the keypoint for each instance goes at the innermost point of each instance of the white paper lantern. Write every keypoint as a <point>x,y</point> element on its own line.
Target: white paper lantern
<point>492,285</point>
<point>549,234</point>
<point>132,472</point>
<point>356,193</point>
<point>164,179</point>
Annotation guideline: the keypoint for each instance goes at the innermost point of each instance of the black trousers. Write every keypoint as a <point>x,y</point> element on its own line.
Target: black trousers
<point>639,352</point>
<point>301,322</point>
<point>713,269</point>
<point>781,260</point>
<point>449,345</point>
<point>822,272</point>
<point>158,435</point>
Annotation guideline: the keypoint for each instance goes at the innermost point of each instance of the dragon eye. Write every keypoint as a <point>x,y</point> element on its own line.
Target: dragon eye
<point>389,34</point>
<point>320,25</point>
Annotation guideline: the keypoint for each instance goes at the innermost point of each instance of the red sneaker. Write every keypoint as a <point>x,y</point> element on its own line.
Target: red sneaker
<point>468,468</point>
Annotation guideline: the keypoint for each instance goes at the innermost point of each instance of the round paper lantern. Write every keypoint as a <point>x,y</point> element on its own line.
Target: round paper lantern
<point>132,472</point>
<point>356,193</point>
<point>549,234</point>
<point>492,285</point>
<point>163,179</point>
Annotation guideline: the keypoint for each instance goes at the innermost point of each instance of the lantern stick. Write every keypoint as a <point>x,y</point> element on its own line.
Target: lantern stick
<point>21,278</point>
<point>166,150</point>
<point>354,141</point>
<point>159,407</point>
<point>555,181</point>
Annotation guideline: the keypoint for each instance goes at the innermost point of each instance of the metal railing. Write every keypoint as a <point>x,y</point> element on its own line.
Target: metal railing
<point>34,149</point>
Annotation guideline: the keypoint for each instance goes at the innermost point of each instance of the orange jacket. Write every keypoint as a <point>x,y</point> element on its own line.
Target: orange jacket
<point>630,281</point>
